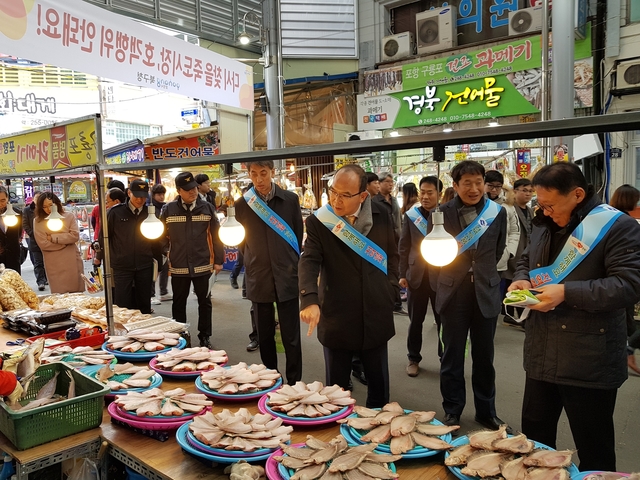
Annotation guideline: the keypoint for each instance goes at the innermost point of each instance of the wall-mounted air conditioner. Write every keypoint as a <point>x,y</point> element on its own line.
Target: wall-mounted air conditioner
<point>395,47</point>
<point>628,74</point>
<point>436,30</point>
<point>525,20</point>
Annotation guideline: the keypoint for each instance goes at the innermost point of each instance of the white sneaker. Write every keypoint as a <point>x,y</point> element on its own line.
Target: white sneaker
<point>166,298</point>
<point>155,301</point>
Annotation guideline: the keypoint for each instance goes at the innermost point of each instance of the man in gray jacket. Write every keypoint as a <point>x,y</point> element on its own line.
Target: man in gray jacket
<point>584,260</point>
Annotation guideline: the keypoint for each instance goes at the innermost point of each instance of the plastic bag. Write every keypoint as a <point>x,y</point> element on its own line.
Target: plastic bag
<point>84,469</point>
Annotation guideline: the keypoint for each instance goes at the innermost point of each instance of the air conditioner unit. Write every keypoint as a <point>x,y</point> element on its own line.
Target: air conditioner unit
<point>525,20</point>
<point>628,74</point>
<point>436,30</point>
<point>364,135</point>
<point>395,47</point>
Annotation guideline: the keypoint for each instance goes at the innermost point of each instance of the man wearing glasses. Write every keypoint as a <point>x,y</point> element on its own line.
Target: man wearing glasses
<point>351,245</point>
<point>584,263</point>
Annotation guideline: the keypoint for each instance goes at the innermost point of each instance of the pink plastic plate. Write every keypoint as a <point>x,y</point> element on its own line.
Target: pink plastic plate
<point>169,373</point>
<point>159,418</point>
<point>262,406</point>
<point>113,411</point>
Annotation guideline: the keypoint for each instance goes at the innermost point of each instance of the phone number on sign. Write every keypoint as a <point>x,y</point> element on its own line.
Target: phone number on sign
<point>455,118</point>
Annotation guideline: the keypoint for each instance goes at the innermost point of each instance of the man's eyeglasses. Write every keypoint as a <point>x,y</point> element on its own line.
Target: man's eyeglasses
<point>548,210</point>
<point>493,186</point>
<point>342,196</point>
<point>524,190</point>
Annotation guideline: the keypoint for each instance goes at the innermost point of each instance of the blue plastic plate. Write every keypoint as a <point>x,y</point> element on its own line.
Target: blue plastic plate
<point>225,453</point>
<point>463,440</point>
<point>141,355</point>
<point>287,473</point>
<point>200,385</point>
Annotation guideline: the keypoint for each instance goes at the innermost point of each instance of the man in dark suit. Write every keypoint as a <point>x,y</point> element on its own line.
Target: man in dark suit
<point>468,299</point>
<point>353,303</point>
<point>271,266</point>
<point>10,236</point>
<point>414,274</point>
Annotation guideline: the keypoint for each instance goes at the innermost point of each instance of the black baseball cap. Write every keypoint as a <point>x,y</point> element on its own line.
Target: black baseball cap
<point>139,188</point>
<point>186,181</point>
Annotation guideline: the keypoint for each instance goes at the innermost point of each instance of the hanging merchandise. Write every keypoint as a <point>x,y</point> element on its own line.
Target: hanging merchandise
<point>309,201</point>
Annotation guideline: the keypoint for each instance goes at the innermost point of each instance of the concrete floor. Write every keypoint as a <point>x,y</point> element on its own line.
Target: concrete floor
<point>231,326</point>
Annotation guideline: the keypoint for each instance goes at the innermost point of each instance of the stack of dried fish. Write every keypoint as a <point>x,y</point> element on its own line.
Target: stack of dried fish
<point>402,430</point>
<point>47,394</point>
<point>309,400</point>
<point>190,359</point>
<point>11,282</point>
<point>240,430</point>
<point>492,453</point>
<point>77,357</point>
<point>158,402</point>
<point>336,460</point>
<point>25,362</point>
<point>240,378</point>
<point>140,377</point>
<point>71,300</point>
<point>148,340</point>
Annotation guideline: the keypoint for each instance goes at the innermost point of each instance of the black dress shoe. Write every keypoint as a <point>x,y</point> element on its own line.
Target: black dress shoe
<point>360,377</point>
<point>493,423</point>
<point>253,346</point>
<point>234,283</point>
<point>451,419</point>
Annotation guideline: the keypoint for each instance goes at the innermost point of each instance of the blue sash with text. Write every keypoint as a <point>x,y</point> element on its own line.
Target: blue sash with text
<point>470,235</point>
<point>271,218</point>
<point>418,220</point>
<point>582,240</point>
<point>352,238</point>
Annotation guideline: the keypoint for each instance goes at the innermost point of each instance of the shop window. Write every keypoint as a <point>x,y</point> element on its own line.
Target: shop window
<point>120,132</point>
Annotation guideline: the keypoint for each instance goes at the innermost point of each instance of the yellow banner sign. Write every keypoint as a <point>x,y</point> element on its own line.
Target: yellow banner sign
<point>64,146</point>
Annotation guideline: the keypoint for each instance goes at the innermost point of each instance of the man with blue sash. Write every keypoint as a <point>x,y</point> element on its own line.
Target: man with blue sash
<point>351,246</point>
<point>468,295</point>
<point>272,220</point>
<point>584,260</point>
<point>414,274</point>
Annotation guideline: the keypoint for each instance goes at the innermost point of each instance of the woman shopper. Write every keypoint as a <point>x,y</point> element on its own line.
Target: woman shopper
<point>409,197</point>
<point>62,260</point>
<point>625,199</point>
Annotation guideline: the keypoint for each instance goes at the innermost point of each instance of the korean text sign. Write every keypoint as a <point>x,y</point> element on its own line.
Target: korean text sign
<point>83,37</point>
<point>63,146</point>
<point>200,146</point>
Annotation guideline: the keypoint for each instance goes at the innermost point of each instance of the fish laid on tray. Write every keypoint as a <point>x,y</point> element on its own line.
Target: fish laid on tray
<point>492,453</point>
<point>240,378</point>
<point>163,402</point>
<point>311,400</point>
<point>77,357</point>
<point>190,359</point>
<point>403,431</point>
<point>140,376</point>
<point>240,430</point>
<point>47,394</point>
<point>143,339</point>
<point>336,460</point>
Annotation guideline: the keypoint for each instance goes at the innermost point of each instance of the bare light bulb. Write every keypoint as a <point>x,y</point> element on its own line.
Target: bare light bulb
<point>231,232</point>
<point>244,38</point>
<point>439,248</point>
<point>151,227</point>
<point>54,220</point>
<point>10,217</point>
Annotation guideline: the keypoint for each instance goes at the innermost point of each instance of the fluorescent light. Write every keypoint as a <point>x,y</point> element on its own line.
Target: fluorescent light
<point>394,133</point>
<point>494,122</point>
<point>447,128</point>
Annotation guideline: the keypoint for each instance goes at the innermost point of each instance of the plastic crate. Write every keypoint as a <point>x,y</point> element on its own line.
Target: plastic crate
<point>57,420</point>
<point>95,340</point>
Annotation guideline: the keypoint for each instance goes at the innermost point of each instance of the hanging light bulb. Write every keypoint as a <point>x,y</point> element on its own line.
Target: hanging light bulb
<point>151,227</point>
<point>10,217</point>
<point>231,232</point>
<point>54,220</point>
<point>438,248</point>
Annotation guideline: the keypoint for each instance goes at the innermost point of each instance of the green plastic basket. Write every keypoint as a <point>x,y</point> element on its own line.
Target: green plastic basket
<point>57,420</point>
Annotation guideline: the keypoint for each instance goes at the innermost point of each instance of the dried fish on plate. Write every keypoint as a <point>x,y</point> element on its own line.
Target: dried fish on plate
<point>190,359</point>
<point>138,377</point>
<point>136,340</point>
<point>77,357</point>
<point>312,400</point>
<point>240,378</point>
<point>240,430</point>
<point>336,460</point>
<point>163,402</point>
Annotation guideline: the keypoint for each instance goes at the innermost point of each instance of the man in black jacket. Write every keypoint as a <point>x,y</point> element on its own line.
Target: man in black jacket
<point>468,298</point>
<point>34,250</point>
<point>271,266</point>
<point>352,305</point>
<point>195,252</point>
<point>414,274</point>
<point>132,254</point>
<point>574,351</point>
<point>10,237</point>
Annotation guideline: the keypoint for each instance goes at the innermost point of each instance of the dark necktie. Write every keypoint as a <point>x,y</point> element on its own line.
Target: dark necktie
<point>188,205</point>
<point>136,211</point>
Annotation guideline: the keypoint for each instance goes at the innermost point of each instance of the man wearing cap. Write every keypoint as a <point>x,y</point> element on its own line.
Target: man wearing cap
<point>132,254</point>
<point>195,251</point>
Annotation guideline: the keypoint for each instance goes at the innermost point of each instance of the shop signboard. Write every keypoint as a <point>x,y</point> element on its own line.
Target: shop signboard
<point>205,145</point>
<point>80,36</point>
<point>78,190</point>
<point>61,147</point>
<point>523,162</point>
<point>131,155</point>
